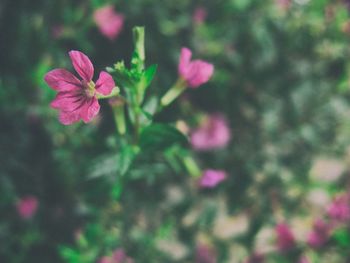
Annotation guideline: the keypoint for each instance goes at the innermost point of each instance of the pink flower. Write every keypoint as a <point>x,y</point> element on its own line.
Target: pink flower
<point>211,178</point>
<point>205,254</point>
<point>76,99</point>
<point>57,31</point>
<point>339,209</point>
<point>105,259</point>
<point>119,256</point>
<point>27,206</point>
<point>319,234</point>
<point>109,22</point>
<point>283,4</point>
<point>196,72</point>
<point>199,15</point>
<point>303,259</point>
<point>213,133</point>
<point>285,237</point>
<point>256,258</point>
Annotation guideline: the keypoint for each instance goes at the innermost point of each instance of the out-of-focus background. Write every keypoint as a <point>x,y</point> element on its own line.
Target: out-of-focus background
<point>281,86</point>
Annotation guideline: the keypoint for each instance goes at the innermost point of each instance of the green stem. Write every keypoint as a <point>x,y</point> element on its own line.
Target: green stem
<point>139,42</point>
<point>191,166</point>
<point>119,116</point>
<point>175,91</point>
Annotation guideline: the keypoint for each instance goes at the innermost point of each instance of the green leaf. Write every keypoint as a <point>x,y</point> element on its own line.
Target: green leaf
<point>69,254</point>
<point>125,158</point>
<point>148,76</point>
<point>160,137</point>
<point>342,237</point>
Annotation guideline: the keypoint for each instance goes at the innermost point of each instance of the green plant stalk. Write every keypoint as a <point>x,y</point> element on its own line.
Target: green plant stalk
<point>175,91</point>
<point>191,166</point>
<point>139,42</point>
<point>119,117</point>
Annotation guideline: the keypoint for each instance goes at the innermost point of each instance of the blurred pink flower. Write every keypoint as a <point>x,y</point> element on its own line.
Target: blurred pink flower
<point>119,256</point>
<point>283,4</point>
<point>213,133</point>
<point>205,254</point>
<point>199,15</point>
<point>27,207</point>
<point>57,31</point>
<point>211,178</point>
<point>303,259</point>
<point>105,259</point>
<point>319,234</point>
<point>109,22</point>
<point>339,209</point>
<point>196,72</point>
<point>285,237</point>
<point>256,258</point>
<point>76,99</point>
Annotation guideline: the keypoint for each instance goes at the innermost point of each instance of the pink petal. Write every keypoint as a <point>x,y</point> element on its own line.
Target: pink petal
<point>211,178</point>
<point>68,118</point>
<point>82,65</point>
<point>184,62</point>
<point>27,207</point>
<point>90,109</point>
<point>62,80</point>
<point>109,22</point>
<point>199,73</point>
<point>213,133</point>
<point>105,83</point>
<point>68,101</point>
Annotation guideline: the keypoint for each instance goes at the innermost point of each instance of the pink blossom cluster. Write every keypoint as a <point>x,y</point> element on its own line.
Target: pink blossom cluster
<point>338,213</point>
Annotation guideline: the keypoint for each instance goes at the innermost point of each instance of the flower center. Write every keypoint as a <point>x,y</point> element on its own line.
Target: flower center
<point>89,88</point>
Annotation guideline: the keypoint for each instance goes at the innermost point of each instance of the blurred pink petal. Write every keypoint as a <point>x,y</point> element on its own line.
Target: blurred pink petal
<point>62,80</point>
<point>76,99</point>
<point>105,259</point>
<point>105,83</point>
<point>196,72</point>
<point>119,256</point>
<point>212,134</point>
<point>211,178</point>
<point>339,209</point>
<point>285,237</point>
<point>283,4</point>
<point>27,207</point>
<point>319,234</point>
<point>303,259</point>
<point>205,254</point>
<point>199,15</point>
<point>57,31</point>
<point>109,22</point>
<point>82,65</point>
